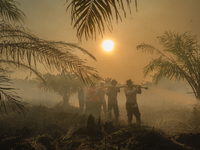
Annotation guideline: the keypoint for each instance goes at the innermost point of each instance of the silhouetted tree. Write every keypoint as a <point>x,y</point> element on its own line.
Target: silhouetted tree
<point>19,48</point>
<point>61,84</point>
<point>179,59</point>
<point>91,16</point>
<point>108,81</point>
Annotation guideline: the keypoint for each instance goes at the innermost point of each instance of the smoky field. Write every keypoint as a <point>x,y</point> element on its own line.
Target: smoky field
<point>50,128</point>
<point>170,120</point>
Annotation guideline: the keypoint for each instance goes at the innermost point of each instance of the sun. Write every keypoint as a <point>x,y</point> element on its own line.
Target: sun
<point>108,45</point>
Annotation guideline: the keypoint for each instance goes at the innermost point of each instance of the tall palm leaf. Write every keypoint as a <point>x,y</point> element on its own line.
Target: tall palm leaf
<point>20,46</point>
<point>16,65</point>
<point>91,16</point>
<point>8,96</point>
<point>10,12</point>
<point>180,59</point>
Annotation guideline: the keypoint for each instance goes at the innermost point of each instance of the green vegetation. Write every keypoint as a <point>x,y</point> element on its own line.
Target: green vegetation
<point>179,59</point>
<point>61,84</point>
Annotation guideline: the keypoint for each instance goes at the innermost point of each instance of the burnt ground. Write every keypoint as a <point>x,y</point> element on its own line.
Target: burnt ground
<point>45,128</point>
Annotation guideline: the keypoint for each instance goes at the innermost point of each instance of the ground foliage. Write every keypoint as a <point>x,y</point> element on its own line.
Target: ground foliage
<point>48,128</point>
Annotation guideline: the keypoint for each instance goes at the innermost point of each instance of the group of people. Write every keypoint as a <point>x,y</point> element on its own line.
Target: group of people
<point>94,99</point>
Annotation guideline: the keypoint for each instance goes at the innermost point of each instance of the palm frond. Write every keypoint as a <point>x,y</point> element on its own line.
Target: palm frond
<point>178,43</point>
<point>60,84</point>
<point>21,66</point>
<point>10,12</point>
<point>48,82</point>
<point>9,98</point>
<point>91,16</point>
<point>73,46</point>
<point>183,48</point>
<point>107,80</point>
<point>20,46</point>
<point>182,63</point>
<point>168,69</point>
<point>164,68</point>
<point>149,49</point>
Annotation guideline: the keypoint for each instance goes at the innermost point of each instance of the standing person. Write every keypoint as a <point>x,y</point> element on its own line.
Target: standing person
<point>101,96</point>
<point>81,98</point>
<point>93,100</point>
<point>87,102</point>
<point>131,92</point>
<point>112,92</point>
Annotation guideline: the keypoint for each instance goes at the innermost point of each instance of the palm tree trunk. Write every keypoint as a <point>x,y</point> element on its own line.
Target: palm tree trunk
<point>196,109</point>
<point>62,106</point>
<point>198,93</point>
<point>66,99</point>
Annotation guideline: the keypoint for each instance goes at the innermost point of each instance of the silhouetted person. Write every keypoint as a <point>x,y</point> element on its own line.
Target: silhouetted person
<point>87,102</point>
<point>131,92</point>
<point>101,98</point>
<point>81,98</point>
<point>112,92</point>
<point>94,105</point>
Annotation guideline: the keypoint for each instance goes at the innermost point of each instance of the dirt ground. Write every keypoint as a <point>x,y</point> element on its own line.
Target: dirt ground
<point>46,128</point>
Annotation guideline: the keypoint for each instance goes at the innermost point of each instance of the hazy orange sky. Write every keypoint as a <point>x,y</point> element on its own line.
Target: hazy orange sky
<point>49,20</point>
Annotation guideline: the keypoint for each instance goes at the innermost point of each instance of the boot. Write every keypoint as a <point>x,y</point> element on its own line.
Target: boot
<point>129,122</point>
<point>117,120</point>
<point>109,116</point>
<point>138,123</point>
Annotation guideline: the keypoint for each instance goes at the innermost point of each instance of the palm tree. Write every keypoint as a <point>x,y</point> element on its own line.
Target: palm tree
<point>91,16</point>
<point>179,59</point>
<point>21,49</point>
<point>62,85</point>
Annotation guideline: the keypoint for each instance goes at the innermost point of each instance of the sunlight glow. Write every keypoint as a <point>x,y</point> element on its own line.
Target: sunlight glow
<point>108,45</point>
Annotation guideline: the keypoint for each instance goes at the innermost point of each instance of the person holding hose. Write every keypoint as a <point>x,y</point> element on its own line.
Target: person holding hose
<point>112,92</point>
<point>131,92</point>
